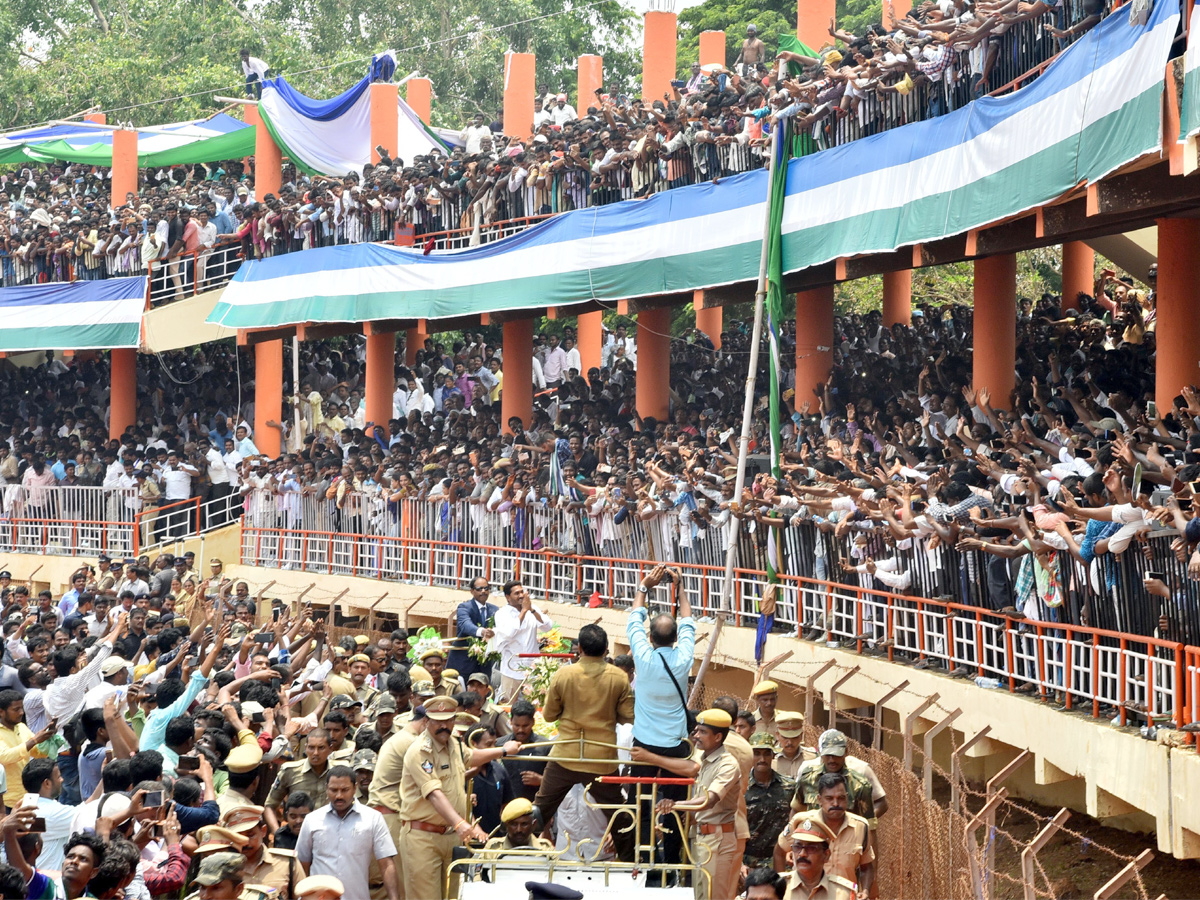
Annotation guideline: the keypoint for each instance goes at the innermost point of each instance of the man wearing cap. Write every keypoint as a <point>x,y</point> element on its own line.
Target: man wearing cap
<point>433,800</point>
<point>319,887</point>
<point>850,852</point>
<point>244,763</point>
<point>433,661</point>
<point>385,718</point>
<point>220,876</point>
<point>791,754</point>
<point>114,674</point>
<point>766,695</point>
<point>492,716</point>
<point>360,671</point>
<point>714,805</point>
<point>384,796</point>
<point>768,803</point>
<point>306,775</point>
<point>518,821</point>
<point>866,796</point>
<point>808,881</point>
<point>363,763</point>
<point>263,866</point>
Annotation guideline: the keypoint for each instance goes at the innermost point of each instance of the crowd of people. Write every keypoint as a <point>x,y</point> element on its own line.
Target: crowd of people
<point>231,746</point>
<point>897,474</point>
<point>190,225</point>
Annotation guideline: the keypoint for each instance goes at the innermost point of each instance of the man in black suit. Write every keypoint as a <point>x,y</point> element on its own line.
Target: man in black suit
<point>471,622</point>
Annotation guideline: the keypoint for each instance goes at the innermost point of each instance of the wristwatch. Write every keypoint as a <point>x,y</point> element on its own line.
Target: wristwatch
<point>642,589</point>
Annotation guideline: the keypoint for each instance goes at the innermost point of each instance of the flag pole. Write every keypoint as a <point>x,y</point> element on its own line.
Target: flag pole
<point>760,296</point>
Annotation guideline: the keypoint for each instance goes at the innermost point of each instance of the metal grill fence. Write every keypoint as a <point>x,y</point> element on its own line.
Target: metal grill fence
<point>1101,649</point>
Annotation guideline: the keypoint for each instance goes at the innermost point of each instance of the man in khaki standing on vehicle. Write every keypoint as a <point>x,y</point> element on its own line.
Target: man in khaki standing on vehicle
<point>434,808</point>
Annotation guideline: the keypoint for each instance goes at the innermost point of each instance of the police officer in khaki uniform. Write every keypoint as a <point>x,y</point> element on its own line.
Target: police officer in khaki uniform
<point>808,881</point>
<point>389,769</point>
<point>244,765</point>
<point>791,754</point>
<point>222,873</point>
<point>715,795</point>
<point>517,818</point>
<point>766,695</point>
<point>275,869</point>
<point>433,800</point>
<point>320,887</point>
<point>850,853</point>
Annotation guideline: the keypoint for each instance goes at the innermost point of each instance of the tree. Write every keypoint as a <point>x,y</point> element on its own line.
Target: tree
<point>119,55</point>
<point>772,18</point>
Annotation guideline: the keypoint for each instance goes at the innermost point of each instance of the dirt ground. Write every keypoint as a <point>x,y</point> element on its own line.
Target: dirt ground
<point>1076,863</point>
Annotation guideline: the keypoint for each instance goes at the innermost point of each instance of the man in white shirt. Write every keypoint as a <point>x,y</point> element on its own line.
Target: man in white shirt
<point>218,476</point>
<point>474,134</point>
<point>555,367</point>
<point>177,485</point>
<point>540,115</point>
<point>574,360</point>
<point>517,626</point>
<point>255,72</point>
<point>562,112</point>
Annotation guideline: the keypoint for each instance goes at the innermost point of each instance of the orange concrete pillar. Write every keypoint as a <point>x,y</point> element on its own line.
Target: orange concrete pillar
<point>897,298</point>
<point>418,94</point>
<point>268,160</point>
<point>653,378</point>
<point>708,320</point>
<point>381,376</point>
<point>589,79</point>
<point>518,95</point>
<point>812,22</point>
<point>1178,330</point>
<point>414,340</point>
<point>268,396</point>
<point>712,47</point>
<point>384,119</point>
<point>995,327</point>
<point>125,166</point>
<point>122,410</point>
<point>1078,273</point>
<point>658,54</point>
<point>899,8</point>
<point>516,396</point>
<point>814,342</point>
<point>98,117</point>
<point>590,329</point>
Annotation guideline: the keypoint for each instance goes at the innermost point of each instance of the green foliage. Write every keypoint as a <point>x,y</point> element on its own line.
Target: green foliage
<point>117,54</point>
<point>855,16</point>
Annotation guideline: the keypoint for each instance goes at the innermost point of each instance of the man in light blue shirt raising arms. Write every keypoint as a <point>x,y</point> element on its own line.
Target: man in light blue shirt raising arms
<point>662,662</point>
<point>174,697</point>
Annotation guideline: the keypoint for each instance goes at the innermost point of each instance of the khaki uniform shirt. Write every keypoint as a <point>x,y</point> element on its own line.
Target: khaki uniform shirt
<point>739,748</point>
<point>790,768</point>
<point>343,756</point>
<point>429,767</point>
<point>232,799</point>
<point>861,767</point>
<point>719,774</point>
<point>588,700</point>
<point>273,871</point>
<point>299,776</point>
<point>847,853</point>
<point>767,725</point>
<point>829,888</point>
<point>389,769</point>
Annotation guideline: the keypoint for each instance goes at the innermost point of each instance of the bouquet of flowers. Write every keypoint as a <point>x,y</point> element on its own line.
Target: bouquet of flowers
<point>543,669</point>
<point>425,639</point>
<point>482,650</point>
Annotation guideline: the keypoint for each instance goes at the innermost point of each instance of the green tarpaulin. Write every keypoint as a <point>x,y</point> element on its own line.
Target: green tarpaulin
<point>233,145</point>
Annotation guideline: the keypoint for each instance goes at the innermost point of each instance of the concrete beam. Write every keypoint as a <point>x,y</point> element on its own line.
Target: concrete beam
<point>1045,772</point>
<point>1104,805</point>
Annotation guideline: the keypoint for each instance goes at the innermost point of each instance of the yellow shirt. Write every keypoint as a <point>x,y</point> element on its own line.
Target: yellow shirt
<point>719,774</point>
<point>13,757</point>
<point>494,394</point>
<point>389,768</point>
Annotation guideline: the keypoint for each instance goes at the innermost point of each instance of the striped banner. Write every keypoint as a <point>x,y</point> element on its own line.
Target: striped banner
<point>1189,112</point>
<point>1095,109</point>
<point>80,315</point>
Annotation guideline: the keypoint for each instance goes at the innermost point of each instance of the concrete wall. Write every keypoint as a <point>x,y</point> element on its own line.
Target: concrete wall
<point>1087,765</point>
